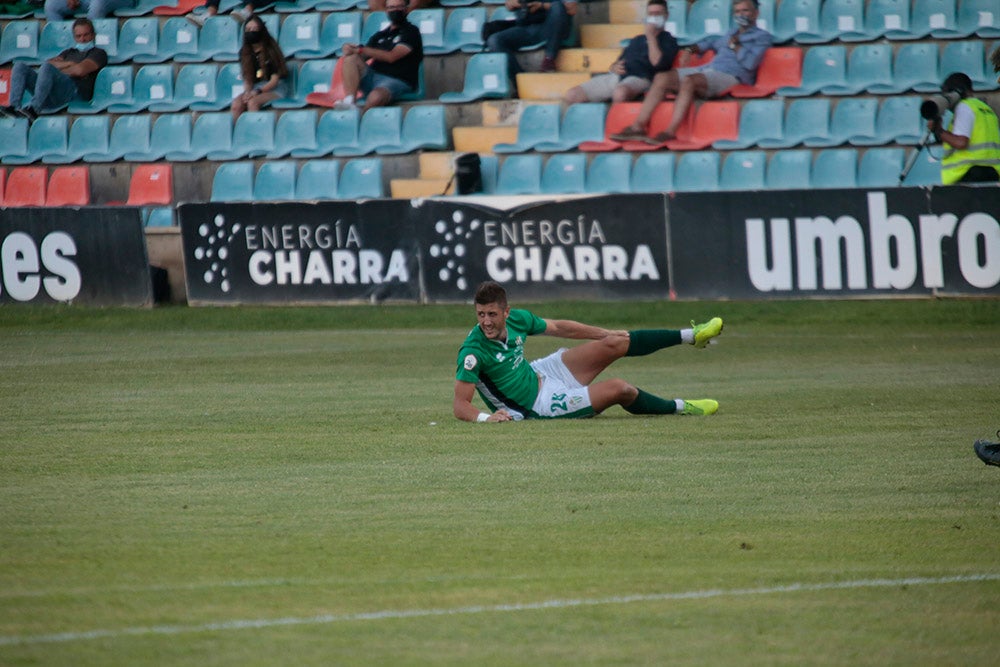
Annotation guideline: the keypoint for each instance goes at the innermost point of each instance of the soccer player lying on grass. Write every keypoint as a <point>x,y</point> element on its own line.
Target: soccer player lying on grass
<point>559,386</point>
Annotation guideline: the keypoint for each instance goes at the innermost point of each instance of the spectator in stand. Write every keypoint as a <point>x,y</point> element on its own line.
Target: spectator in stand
<point>630,76</point>
<point>239,15</point>
<point>263,67</point>
<point>63,79</point>
<point>388,65</point>
<point>972,138</point>
<point>737,57</point>
<point>60,10</point>
<point>547,22</point>
<point>379,5</point>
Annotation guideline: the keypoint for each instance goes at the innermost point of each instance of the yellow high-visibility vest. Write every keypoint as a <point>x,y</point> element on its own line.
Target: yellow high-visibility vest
<point>983,148</point>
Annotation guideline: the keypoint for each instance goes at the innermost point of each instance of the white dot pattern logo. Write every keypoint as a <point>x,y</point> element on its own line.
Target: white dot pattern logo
<point>451,245</point>
<point>214,240</point>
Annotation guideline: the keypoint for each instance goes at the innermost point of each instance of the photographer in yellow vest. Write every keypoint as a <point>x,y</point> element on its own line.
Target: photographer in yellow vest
<point>972,139</point>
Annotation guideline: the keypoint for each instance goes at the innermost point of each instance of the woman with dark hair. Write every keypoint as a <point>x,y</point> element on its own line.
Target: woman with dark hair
<point>265,74</point>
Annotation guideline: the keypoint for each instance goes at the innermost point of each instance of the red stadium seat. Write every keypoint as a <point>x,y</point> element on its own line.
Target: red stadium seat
<point>69,186</point>
<point>619,117</point>
<point>713,121</point>
<point>5,86</point>
<point>3,183</point>
<point>336,92</point>
<point>781,66</point>
<point>26,186</point>
<point>182,8</point>
<point>151,184</point>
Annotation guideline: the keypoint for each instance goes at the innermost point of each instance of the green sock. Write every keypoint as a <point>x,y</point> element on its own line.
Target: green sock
<point>646,341</point>
<point>647,404</point>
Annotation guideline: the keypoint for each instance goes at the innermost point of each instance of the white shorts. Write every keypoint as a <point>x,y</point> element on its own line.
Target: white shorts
<point>560,395</point>
<point>600,88</point>
<point>718,82</point>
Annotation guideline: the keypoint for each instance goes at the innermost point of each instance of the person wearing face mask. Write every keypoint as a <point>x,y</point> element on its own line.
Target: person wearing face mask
<point>631,75</point>
<point>263,67</point>
<point>737,57</point>
<point>387,66</point>
<point>59,10</point>
<point>63,79</point>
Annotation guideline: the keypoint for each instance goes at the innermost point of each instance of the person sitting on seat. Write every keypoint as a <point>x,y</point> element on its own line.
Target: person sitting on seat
<point>68,77</point>
<point>60,10</point>
<point>240,15</point>
<point>630,76</point>
<point>547,22</point>
<point>387,66</point>
<point>263,67</point>
<point>737,57</point>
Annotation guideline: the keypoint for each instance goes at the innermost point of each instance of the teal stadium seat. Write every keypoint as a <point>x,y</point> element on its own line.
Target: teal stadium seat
<point>743,170</point>
<point>538,123</point>
<point>804,119</point>
<point>299,32</point>
<point>228,84</point>
<point>153,84</point>
<point>337,128</point>
<point>759,119</point>
<point>609,173</point>
<point>361,179</point>
<point>581,122</point>
<point>211,133</point>
<point>707,17</point>
<point>485,77</point>
<point>313,76</point>
<point>159,216</point>
<point>233,182</point>
<point>789,170</point>
<point>317,180</point>
<point>219,40</point>
<point>56,37</point>
<point>969,57</point>
<point>520,175</point>
<point>898,122</point>
<point>697,171</point>
<point>930,16</point>
<point>765,15</point>
<point>868,65</point>
<point>458,3</point>
<point>880,167</point>
<point>296,6</point>
<point>339,28</point>
<point>853,116</point>
<point>374,22</point>
<point>253,136</point>
<point>821,66</point>
<point>837,18</point>
<point>195,83</point>
<point>565,173</point>
<point>294,130</point>
<point>797,20</point>
<point>430,22</point>
<point>835,168</point>
<point>979,17</point>
<point>676,23</point>
<point>915,68</point>
<point>113,85</point>
<point>887,18</point>
<point>19,41</point>
<point>138,36</point>
<point>463,31</point>
<point>424,127</point>
<point>926,169</point>
<point>129,133</point>
<point>13,138</point>
<point>178,42</point>
<point>143,7</point>
<point>88,134</point>
<point>170,133</point>
<point>106,37</point>
<point>489,166</point>
<point>380,126</point>
<point>275,181</point>
<point>47,136</point>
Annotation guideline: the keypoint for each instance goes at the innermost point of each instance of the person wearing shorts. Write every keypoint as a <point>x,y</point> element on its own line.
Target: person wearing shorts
<point>630,76</point>
<point>388,66</point>
<point>737,57</point>
<point>561,385</point>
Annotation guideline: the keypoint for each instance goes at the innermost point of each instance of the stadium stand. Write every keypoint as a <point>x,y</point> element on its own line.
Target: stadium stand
<point>151,184</point>
<point>538,123</point>
<point>520,175</point>
<point>294,130</point>
<point>233,182</point>
<point>564,173</point>
<point>361,179</point>
<point>68,186</point>
<point>26,186</point>
<point>743,170</point>
<point>835,168</point>
<point>88,134</point>
<point>697,171</point>
<point>317,180</point>
<point>275,181</point>
<point>609,172</point>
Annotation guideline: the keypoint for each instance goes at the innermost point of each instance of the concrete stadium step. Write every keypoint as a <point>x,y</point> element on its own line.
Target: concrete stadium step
<point>436,165</point>
<point>482,139</point>
<point>415,188</point>
<point>626,11</point>
<point>608,35</point>
<point>594,61</point>
<point>548,86</point>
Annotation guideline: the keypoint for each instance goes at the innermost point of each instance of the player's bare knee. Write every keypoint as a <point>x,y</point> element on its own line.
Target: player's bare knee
<point>626,392</point>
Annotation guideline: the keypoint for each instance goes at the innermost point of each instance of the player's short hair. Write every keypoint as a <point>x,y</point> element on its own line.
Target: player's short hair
<point>491,292</point>
<point>662,3</point>
<point>755,3</point>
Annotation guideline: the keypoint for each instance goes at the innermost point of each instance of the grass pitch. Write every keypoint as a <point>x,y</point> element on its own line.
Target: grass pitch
<point>288,486</point>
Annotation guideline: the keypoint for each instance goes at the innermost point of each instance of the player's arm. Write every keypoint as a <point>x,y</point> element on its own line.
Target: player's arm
<point>466,411</point>
<point>578,330</point>
<point>397,52</point>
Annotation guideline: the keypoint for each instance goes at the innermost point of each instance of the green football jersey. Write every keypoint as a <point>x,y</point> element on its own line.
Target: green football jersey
<point>499,370</point>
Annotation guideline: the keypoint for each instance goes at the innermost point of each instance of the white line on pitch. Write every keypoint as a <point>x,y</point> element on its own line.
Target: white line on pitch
<point>501,608</point>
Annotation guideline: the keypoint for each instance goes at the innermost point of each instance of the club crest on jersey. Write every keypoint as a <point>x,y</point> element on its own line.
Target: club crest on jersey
<point>470,362</point>
<point>499,356</point>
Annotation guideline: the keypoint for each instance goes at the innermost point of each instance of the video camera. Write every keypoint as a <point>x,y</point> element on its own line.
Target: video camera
<point>934,108</point>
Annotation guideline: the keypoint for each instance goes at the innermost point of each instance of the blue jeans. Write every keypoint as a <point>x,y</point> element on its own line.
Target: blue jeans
<point>56,10</point>
<point>50,89</point>
<point>552,32</point>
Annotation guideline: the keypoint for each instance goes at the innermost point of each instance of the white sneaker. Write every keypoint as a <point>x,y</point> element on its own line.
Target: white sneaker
<point>241,15</point>
<point>197,19</point>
